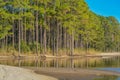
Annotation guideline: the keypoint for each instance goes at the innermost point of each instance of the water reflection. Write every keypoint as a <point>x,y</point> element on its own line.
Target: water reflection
<point>66,63</point>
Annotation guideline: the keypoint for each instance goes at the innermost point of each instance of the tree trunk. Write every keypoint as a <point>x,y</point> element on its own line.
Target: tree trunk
<point>36,24</point>
<point>44,41</point>
<point>13,41</point>
<point>65,40</point>
<point>19,37</point>
<point>41,39</point>
<point>72,44</point>
<point>57,41</point>
<point>21,30</point>
<point>25,31</point>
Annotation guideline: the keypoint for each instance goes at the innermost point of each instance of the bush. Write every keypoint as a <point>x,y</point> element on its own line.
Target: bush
<point>33,47</point>
<point>24,47</point>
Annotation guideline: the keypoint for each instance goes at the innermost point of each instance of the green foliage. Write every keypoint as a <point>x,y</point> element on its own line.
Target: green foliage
<point>55,21</point>
<point>33,47</point>
<point>4,30</point>
<point>24,47</point>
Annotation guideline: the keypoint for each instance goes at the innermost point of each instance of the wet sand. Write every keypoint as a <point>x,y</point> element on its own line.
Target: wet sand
<point>74,74</point>
<point>68,76</point>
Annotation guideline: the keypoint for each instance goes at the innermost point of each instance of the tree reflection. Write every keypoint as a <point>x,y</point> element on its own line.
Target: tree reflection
<point>84,62</point>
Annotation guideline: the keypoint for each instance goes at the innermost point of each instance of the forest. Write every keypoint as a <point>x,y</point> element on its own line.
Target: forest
<point>55,27</point>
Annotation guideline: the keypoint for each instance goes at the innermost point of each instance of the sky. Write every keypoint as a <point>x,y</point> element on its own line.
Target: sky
<point>105,7</point>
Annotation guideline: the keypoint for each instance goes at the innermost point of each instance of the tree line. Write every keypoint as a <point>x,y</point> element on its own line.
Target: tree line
<point>55,26</point>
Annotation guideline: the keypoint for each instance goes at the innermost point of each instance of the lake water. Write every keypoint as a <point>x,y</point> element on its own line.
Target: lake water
<point>106,63</point>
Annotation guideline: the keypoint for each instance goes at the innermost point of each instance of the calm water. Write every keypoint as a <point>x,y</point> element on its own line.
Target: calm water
<point>111,63</point>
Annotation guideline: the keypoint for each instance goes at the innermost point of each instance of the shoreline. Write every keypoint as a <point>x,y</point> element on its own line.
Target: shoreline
<point>64,56</point>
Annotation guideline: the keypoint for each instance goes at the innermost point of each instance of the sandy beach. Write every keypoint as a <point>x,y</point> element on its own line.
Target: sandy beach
<point>15,73</point>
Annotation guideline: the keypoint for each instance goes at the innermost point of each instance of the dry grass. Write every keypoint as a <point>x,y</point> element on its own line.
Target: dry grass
<point>61,52</point>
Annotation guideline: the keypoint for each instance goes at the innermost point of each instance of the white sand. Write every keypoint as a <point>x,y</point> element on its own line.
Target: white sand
<point>15,73</point>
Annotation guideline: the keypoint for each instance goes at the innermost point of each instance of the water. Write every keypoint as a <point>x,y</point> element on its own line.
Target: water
<point>111,64</point>
<point>111,69</point>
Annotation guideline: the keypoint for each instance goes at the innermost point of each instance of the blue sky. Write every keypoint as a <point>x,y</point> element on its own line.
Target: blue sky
<point>105,7</point>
